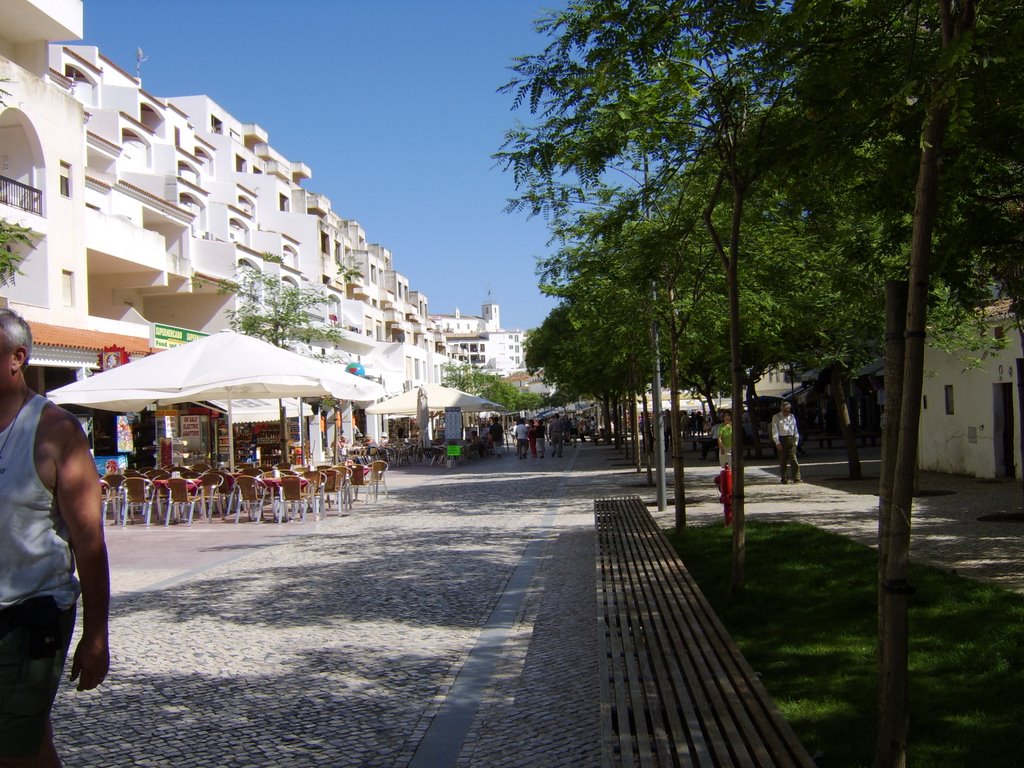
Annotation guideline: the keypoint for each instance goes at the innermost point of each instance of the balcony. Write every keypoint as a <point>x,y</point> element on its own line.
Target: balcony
<point>22,196</point>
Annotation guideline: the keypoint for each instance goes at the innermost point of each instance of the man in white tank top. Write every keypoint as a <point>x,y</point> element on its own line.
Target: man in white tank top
<point>50,522</point>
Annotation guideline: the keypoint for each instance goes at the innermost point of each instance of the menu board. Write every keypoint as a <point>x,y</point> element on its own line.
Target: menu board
<point>452,423</point>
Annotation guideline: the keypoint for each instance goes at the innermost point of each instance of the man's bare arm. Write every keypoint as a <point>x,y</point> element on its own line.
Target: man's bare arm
<point>77,490</point>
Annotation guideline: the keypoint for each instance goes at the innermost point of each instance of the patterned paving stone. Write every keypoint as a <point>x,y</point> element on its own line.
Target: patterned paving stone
<point>339,643</point>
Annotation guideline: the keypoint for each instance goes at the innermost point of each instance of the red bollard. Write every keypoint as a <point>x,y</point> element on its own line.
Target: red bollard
<point>724,483</point>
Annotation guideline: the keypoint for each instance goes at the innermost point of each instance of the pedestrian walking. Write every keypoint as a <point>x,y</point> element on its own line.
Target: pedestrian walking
<point>786,436</point>
<point>522,438</point>
<point>557,436</point>
<point>540,432</point>
<point>497,434</point>
<point>725,439</point>
<point>49,507</point>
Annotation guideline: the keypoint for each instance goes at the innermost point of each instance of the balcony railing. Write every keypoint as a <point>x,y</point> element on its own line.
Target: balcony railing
<point>21,196</point>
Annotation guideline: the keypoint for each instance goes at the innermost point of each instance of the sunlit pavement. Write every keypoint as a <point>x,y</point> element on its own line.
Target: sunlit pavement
<point>451,623</point>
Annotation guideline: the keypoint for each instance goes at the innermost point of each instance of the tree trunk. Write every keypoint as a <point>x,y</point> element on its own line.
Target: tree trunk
<point>895,324</point>
<point>893,716</point>
<point>634,433</point>
<point>678,455</point>
<point>648,443</point>
<point>1020,407</point>
<point>284,432</point>
<point>755,422</point>
<point>837,383</point>
<point>739,534</point>
<point>730,260</point>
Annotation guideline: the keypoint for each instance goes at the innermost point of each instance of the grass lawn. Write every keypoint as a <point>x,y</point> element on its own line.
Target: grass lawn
<point>807,623</point>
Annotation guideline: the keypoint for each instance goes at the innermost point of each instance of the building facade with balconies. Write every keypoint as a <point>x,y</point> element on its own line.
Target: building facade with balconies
<point>141,207</point>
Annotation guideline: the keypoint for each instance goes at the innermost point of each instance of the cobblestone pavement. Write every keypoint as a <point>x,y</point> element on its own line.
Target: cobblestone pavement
<point>451,624</point>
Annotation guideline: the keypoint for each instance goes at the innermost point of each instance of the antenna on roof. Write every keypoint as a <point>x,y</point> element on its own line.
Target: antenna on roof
<point>139,58</point>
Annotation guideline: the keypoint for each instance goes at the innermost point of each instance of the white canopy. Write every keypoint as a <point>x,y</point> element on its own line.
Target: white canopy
<point>438,398</point>
<point>222,366</point>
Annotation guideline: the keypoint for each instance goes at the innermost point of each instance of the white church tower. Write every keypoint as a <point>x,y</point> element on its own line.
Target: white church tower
<point>491,317</point>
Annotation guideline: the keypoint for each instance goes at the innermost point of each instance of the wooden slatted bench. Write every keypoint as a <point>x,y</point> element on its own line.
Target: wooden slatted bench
<point>676,691</point>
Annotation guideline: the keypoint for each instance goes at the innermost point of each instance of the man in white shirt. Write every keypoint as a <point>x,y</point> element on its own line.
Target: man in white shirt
<point>522,438</point>
<point>786,437</point>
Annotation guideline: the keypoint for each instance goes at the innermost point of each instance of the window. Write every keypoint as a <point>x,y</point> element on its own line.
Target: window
<point>240,165</point>
<point>67,284</point>
<point>216,125</point>
<point>65,179</point>
<point>949,399</point>
<point>283,202</point>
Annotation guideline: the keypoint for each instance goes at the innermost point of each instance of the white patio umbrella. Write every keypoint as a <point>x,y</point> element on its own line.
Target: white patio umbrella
<point>222,366</point>
<point>438,398</point>
<point>423,416</point>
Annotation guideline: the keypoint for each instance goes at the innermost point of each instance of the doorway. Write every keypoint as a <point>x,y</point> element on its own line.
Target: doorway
<point>1003,427</point>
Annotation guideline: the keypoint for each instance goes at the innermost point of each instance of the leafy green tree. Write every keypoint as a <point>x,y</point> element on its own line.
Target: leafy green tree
<point>13,237</point>
<point>489,386</point>
<point>280,313</point>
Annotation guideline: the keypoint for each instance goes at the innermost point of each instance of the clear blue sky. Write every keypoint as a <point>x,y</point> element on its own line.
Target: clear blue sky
<point>393,104</point>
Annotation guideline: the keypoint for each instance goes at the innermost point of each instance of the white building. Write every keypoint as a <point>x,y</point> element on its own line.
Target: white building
<point>970,416</point>
<point>481,342</point>
<point>141,206</point>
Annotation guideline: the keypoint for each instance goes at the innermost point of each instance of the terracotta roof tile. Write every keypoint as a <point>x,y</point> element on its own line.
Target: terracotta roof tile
<point>77,338</point>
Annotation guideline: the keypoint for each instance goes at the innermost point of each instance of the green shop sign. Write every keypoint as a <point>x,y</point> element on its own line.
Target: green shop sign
<point>167,336</point>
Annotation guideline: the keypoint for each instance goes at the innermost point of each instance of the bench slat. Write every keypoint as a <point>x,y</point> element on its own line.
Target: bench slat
<point>676,690</point>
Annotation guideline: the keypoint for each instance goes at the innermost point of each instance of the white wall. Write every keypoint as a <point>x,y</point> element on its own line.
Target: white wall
<point>969,440</point>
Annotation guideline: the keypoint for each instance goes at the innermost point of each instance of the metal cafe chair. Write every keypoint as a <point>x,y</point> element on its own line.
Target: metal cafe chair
<point>182,494</point>
<point>376,480</point>
<point>139,493</point>
<point>113,495</point>
<point>211,495</point>
<point>251,493</point>
<point>332,489</point>
<point>314,492</point>
<point>290,498</point>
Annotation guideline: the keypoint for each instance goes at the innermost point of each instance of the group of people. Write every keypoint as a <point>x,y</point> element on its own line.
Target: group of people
<point>533,436</point>
<point>785,436</point>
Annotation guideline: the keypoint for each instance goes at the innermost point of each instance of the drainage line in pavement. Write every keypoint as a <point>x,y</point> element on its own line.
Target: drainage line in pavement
<point>442,743</point>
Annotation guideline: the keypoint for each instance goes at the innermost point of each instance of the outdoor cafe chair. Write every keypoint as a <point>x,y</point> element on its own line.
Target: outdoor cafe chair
<point>332,489</point>
<point>251,493</point>
<point>315,493</point>
<point>251,471</point>
<point>181,494</point>
<point>290,498</point>
<point>112,485</point>
<point>376,479</point>
<point>139,493</point>
<point>200,468</point>
<point>156,474</point>
<point>210,490</point>
<point>357,478</point>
